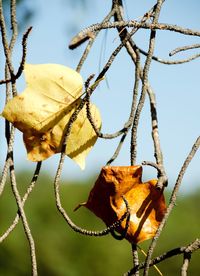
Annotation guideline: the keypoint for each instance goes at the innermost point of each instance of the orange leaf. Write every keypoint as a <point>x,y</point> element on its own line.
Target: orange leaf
<point>147,204</point>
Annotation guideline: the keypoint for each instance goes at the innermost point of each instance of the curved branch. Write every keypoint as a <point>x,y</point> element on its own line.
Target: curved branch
<point>184,48</point>
<point>23,59</point>
<point>26,195</point>
<point>14,26</point>
<point>192,247</point>
<point>145,83</point>
<point>6,46</point>
<point>131,49</point>
<point>86,232</point>
<point>123,234</point>
<point>7,161</point>
<point>90,43</point>
<point>171,62</point>
<point>186,261</point>
<point>24,220</point>
<point>172,201</point>
<point>87,33</point>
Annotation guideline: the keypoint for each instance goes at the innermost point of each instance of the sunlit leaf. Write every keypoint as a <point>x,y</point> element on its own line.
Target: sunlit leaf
<point>43,110</point>
<point>147,204</point>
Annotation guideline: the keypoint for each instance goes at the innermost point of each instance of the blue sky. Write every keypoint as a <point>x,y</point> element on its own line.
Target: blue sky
<point>176,87</point>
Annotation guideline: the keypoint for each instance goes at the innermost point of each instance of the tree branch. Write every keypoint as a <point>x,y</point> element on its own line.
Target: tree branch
<point>87,33</point>
<point>172,201</point>
<point>192,247</point>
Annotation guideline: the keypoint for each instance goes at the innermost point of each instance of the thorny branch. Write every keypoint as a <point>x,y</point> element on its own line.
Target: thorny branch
<point>149,22</point>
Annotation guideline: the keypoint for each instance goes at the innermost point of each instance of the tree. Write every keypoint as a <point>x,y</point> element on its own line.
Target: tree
<point>149,21</point>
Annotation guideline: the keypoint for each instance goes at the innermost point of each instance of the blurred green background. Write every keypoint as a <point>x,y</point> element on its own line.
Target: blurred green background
<point>60,251</point>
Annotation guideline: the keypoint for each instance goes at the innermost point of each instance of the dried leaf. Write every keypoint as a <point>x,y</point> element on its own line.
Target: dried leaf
<point>43,110</point>
<point>147,204</point>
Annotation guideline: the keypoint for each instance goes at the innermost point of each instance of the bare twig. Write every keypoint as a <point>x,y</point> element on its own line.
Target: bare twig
<point>171,62</point>
<point>7,161</point>
<point>58,175</point>
<point>88,32</point>
<point>117,151</point>
<point>172,199</point>
<point>145,86</point>
<point>158,153</point>
<point>90,43</point>
<point>100,76</point>
<point>135,259</point>
<point>184,48</point>
<point>9,73</point>
<point>134,104</point>
<point>24,50</point>
<point>14,26</point>
<point>143,92</point>
<point>26,195</point>
<point>162,177</point>
<point>6,47</point>
<point>23,59</point>
<point>186,261</point>
<point>123,234</point>
<point>24,220</point>
<point>64,145</point>
<point>80,230</point>
<point>131,49</point>
<point>188,254</point>
<point>127,125</point>
<point>192,247</point>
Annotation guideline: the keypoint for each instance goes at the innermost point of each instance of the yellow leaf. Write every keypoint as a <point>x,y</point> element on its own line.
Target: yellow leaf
<point>43,110</point>
<point>51,88</point>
